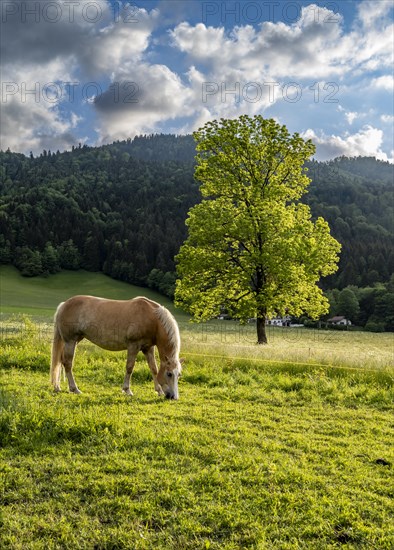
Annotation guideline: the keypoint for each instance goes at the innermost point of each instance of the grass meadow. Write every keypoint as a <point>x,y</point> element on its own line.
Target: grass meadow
<point>287,446</point>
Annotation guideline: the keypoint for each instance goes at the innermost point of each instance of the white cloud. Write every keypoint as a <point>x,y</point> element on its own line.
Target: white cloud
<point>74,120</point>
<point>30,118</point>
<point>351,116</point>
<point>42,34</point>
<point>374,48</point>
<point>387,119</point>
<point>117,44</point>
<point>371,11</point>
<point>316,46</point>
<point>384,82</point>
<point>194,40</point>
<point>242,71</point>
<point>33,127</point>
<point>366,142</point>
<point>307,48</point>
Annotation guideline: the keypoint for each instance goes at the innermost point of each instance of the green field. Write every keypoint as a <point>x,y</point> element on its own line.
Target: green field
<point>267,447</point>
<point>39,296</point>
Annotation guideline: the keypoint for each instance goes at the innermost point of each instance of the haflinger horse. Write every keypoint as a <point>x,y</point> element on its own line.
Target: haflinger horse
<point>134,325</point>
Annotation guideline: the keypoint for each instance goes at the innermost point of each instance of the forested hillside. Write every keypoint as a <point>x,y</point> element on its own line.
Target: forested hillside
<point>360,212</point>
<point>102,209</point>
<point>121,208</point>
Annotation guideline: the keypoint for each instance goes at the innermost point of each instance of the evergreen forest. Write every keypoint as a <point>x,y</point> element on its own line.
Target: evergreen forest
<point>121,209</point>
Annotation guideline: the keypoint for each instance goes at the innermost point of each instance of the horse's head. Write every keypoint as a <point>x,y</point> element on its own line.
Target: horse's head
<point>169,373</point>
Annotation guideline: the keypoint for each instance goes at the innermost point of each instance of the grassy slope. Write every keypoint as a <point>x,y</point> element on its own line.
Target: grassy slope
<point>41,295</point>
<point>254,455</point>
<point>250,457</point>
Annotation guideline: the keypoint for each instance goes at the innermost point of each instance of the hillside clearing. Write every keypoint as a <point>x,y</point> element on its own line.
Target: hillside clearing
<point>39,296</point>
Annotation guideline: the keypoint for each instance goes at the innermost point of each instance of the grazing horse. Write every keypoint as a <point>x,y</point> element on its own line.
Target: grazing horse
<point>133,325</point>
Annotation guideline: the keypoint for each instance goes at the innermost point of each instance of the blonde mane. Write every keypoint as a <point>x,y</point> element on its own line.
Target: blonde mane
<point>171,327</point>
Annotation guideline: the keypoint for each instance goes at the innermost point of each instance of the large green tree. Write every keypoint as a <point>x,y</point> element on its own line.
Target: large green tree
<point>252,247</point>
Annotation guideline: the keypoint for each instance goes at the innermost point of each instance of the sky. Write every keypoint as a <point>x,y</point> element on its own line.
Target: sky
<point>96,71</point>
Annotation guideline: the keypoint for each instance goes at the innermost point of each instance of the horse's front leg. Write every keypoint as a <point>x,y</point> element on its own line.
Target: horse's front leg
<point>150,357</point>
<point>131,355</point>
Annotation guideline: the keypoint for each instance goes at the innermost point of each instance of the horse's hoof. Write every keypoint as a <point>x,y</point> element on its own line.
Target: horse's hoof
<point>127,392</point>
<point>76,391</point>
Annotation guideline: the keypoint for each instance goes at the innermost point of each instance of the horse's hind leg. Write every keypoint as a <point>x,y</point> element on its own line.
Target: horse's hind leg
<point>68,357</point>
<point>150,357</point>
<point>131,355</point>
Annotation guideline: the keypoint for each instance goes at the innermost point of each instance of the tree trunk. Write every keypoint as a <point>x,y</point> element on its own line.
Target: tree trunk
<point>261,334</point>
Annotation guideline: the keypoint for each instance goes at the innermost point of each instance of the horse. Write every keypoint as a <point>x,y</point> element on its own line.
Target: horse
<point>134,325</point>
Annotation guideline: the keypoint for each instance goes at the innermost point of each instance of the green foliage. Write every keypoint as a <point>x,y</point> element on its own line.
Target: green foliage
<point>163,282</point>
<point>374,325</point>
<point>252,247</point>
<point>28,261</point>
<point>5,250</point>
<point>138,192</point>
<point>69,256</point>
<point>371,307</point>
<point>384,309</point>
<point>50,259</point>
<point>348,305</point>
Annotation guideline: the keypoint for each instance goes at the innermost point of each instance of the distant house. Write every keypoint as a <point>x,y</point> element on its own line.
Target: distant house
<point>339,320</point>
<point>279,321</point>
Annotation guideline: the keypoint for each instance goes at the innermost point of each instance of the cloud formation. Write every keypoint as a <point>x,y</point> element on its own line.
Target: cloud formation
<point>61,47</point>
<point>141,97</point>
<point>99,71</point>
<point>367,142</point>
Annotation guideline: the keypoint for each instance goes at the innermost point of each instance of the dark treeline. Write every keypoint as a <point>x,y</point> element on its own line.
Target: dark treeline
<point>121,209</point>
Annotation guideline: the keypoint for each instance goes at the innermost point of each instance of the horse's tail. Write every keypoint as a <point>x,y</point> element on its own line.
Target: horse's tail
<point>56,356</point>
